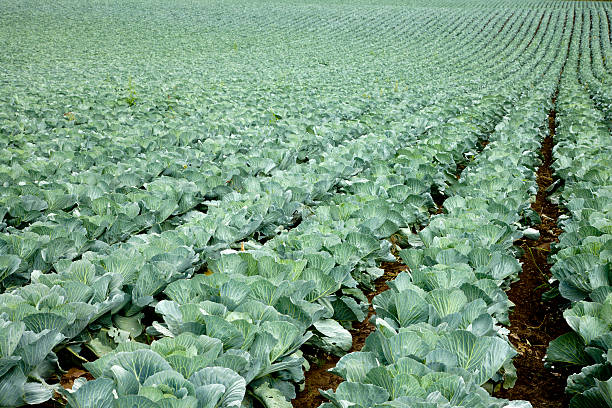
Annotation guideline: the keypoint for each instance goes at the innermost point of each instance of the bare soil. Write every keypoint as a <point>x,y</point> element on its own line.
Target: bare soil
<point>72,374</point>
<point>535,323</point>
<point>318,377</point>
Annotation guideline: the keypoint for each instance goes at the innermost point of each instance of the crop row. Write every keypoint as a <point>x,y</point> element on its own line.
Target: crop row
<point>581,263</point>
<point>265,284</point>
<point>110,203</point>
<point>195,257</point>
<point>438,339</point>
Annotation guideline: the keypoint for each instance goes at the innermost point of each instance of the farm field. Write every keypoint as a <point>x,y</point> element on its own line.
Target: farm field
<point>275,204</point>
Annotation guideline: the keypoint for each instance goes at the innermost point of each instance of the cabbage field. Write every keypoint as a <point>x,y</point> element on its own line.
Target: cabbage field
<point>315,203</point>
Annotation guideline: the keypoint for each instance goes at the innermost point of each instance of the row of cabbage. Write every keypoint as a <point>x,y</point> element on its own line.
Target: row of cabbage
<point>75,329</point>
<point>84,210</point>
<point>282,293</point>
<point>582,260</point>
<point>30,254</point>
<point>131,159</point>
<point>246,296</point>
<point>595,67</point>
<point>117,206</point>
<point>438,339</point>
<point>246,320</point>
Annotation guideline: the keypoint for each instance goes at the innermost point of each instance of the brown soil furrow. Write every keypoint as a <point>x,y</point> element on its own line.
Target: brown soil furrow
<point>318,377</point>
<point>535,323</point>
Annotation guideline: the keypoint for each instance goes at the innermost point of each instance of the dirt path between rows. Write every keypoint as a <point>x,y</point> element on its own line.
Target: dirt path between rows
<point>318,377</point>
<point>535,323</point>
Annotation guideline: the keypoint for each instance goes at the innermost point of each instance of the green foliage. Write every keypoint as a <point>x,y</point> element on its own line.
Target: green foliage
<point>198,224</point>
